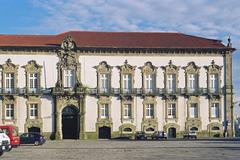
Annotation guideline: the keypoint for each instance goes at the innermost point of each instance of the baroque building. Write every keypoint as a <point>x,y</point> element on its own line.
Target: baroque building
<point>90,85</point>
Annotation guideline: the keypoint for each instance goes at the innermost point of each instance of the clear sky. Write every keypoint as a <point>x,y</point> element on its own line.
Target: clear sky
<point>208,18</point>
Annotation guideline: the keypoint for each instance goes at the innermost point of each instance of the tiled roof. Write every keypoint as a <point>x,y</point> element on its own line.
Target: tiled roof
<point>114,40</point>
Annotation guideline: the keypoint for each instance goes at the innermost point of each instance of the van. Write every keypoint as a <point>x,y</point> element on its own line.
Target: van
<point>4,142</point>
<point>12,132</point>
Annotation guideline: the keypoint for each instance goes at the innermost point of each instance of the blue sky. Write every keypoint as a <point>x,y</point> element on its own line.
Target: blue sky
<point>208,18</point>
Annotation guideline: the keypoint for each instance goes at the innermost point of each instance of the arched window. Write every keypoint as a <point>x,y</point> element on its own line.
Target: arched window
<point>150,129</point>
<point>194,129</point>
<point>215,128</point>
<point>127,130</point>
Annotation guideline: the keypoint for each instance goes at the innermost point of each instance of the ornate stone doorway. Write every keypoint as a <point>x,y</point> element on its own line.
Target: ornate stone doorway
<point>104,132</point>
<point>70,123</point>
<point>172,132</point>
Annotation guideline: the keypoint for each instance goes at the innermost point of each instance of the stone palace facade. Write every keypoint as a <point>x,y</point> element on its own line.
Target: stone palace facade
<point>90,85</point>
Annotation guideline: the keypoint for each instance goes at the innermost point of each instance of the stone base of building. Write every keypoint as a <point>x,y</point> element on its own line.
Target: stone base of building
<point>117,134</point>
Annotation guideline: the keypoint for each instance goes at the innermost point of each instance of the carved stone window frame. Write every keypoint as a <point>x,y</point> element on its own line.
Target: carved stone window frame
<point>168,70</point>
<point>104,68</point>
<point>9,67</point>
<point>215,124</point>
<point>149,122</point>
<point>127,125</point>
<point>68,60</point>
<point>33,68</point>
<point>213,69</point>
<point>191,100</point>
<point>72,68</point>
<point>211,101</point>
<point>9,100</point>
<point>191,68</point>
<point>167,102</point>
<point>33,122</point>
<point>126,69</point>
<point>149,69</point>
<point>193,122</point>
<point>104,100</point>
<point>149,100</point>
<point>125,101</point>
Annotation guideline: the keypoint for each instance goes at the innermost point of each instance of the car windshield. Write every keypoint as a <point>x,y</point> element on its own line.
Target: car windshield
<point>15,132</point>
<point>6,131</point>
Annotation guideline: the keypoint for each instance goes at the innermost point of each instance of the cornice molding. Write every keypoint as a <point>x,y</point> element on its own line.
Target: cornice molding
<point>94,50</point>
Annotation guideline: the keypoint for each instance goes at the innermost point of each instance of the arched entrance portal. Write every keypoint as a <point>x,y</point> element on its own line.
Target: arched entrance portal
<point>104,132</point>
<point>34,129</point>
<point>70,123</point>
<point>172,132</point>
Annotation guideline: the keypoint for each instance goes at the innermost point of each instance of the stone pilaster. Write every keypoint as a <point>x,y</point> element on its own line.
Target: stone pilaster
<point>228,98</point>
<point>82,105</point>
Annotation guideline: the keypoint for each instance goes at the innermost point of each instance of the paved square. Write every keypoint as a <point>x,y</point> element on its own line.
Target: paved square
<point>137,150</point>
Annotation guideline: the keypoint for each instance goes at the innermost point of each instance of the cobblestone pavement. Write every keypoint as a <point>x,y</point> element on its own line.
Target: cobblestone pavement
<point>118,150</point>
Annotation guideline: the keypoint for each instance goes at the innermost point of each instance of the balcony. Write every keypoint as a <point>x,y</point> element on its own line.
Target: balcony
<point>196,92</point>
<point>63,91</point>
<point>9,91</point>
<point>214,91</point>
<point>32,91</point>
<point>149,92</point>
<point>103,92</point>
<point>24,91</point>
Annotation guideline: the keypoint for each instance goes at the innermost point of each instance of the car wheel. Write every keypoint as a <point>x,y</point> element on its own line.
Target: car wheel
<point>1,153</point>
<point>36,143</point>
<point>9,149</point>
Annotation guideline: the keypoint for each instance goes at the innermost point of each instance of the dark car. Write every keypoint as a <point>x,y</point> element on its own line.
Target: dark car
<point>32,138</point>
<point>190,135</point>
<point>159,135</point>
<point>140,136</point>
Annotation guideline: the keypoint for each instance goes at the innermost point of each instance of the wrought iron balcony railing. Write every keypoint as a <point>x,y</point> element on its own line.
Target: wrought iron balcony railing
<point>112,91</point>
<point>24,91</point>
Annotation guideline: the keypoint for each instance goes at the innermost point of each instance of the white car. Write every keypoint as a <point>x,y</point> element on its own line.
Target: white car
<point>190,135</point>
<point>4,142</point>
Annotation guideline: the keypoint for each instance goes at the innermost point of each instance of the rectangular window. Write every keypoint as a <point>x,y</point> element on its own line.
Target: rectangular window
<point>171,82</point>
<point>215,110</point>
<point>33,111</point>
<point>104,111</point>
<point>33,81</point>
<point>127,83</point>
<point>192,82</point>
<point>213,82</point>
<point>149,110</point>
<point>127,112</point>
<point>193,110</point>
<point>171,110</point>
<point>104,82</point>
<point>9,85</point>
<point>69,78</point>
<point>9,111</point>
<point>149,82</point>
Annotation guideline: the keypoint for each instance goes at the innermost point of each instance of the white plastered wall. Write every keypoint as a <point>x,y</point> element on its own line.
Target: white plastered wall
<point>89,78</point>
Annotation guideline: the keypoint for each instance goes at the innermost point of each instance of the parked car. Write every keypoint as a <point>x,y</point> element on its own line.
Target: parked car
<point>32,138</point>
<point>4,142</point>
<point>141,136</point>
<point>159,135</point>
<point>12,132</point>
<point>190,135</point>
